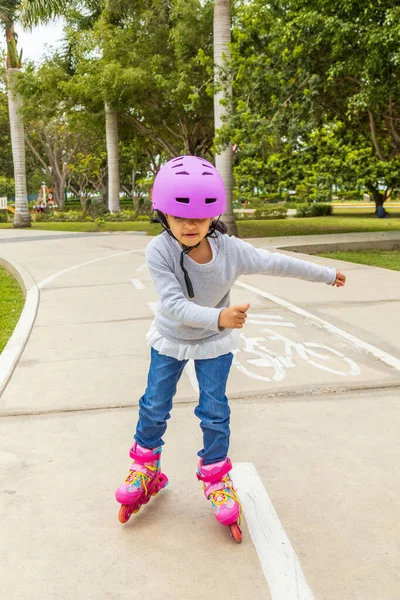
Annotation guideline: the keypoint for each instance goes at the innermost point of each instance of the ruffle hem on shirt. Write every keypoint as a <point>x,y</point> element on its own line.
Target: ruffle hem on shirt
<point>203,350</point>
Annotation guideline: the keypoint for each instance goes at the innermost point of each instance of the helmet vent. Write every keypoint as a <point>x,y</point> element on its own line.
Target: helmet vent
<point>174,166</point>
<point>183,200</point>
<point>211,200</point>
<point>179,158</point>
<point>207,173</point>
<point>182,173</point>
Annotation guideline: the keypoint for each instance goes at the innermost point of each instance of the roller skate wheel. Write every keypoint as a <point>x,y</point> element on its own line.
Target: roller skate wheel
<point>124,513</point>
<point>236,532</point>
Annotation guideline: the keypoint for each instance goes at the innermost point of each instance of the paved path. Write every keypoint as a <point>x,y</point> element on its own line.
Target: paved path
<point>314,394</point>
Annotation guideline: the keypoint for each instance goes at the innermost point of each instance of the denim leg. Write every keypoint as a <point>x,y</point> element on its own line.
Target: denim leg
<point>213,408</point>
<point>156,403</point>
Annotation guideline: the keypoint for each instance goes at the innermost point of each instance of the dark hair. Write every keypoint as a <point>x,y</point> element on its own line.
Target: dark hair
<point>216,225</point>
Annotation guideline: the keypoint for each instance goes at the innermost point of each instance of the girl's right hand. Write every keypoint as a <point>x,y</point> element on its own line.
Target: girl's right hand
<point>233,317</point>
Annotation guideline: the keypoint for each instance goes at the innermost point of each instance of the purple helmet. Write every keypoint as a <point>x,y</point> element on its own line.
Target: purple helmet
<point>189,187</point>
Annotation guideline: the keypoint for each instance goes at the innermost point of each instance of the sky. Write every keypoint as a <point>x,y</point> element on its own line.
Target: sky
<point>33,43</point>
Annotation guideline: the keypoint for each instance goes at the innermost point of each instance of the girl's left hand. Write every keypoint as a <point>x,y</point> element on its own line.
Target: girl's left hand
<point>340,279</point>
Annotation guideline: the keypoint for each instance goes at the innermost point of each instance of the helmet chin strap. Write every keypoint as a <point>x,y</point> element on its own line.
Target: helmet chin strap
<point>187,250</point>
<point>189,286</point>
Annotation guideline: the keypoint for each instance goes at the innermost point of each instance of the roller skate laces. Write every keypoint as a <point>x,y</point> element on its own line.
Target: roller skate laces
<point>143,470</point>
<point>143,481</point>
<point>225,496</point>
<point>137,480</point>
<point>218,488</point>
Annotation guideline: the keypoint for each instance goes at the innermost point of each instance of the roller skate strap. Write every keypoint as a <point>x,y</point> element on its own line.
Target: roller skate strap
<point>145,458</point>
<point>209,477</point>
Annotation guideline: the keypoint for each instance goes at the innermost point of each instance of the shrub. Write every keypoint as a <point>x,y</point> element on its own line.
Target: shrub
<point>303,210</point>
<point>125,215</point>
<point>92,214</point>
<point>313,210</point>
<point>3,216</point>
<point>270,212</point>
<point>41,217</point>
<point>321,210</point>
<point>243,216</point>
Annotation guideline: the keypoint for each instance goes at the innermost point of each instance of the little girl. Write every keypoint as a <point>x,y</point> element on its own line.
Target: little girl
<point>193,266</point>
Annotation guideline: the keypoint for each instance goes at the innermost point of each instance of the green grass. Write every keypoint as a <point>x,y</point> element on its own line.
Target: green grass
<point>387,259</point>
<point>365,210</point>
<point>338,223</point>
<point>11,305</point>
<point>89,226</point>
<point>352,223</point>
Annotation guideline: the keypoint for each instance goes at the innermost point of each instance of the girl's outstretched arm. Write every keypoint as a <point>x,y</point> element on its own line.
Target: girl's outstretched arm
<point>251,260</point>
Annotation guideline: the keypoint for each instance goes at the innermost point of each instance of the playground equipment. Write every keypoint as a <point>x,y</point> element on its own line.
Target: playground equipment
<point>45,199</point>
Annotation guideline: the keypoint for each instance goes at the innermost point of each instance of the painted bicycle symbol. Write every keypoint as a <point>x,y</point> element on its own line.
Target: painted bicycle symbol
<point>273,359</point>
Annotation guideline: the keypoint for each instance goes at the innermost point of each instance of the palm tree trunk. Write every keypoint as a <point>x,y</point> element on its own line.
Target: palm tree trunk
<point>22,217</point>
<point>223,160</point>
<point>112,157</point>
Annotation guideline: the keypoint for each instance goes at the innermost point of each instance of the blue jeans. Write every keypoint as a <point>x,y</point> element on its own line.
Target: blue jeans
<point>213,408</point>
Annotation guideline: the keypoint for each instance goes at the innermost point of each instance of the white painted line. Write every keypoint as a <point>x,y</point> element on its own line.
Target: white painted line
<point>265,317</point>
<point>46,281</point>
<point>152,306</point>
<point>138,284</point>
<point>390,360</point>
<point>142,267</point>
<point>278,559</point>
<point>272,323</point>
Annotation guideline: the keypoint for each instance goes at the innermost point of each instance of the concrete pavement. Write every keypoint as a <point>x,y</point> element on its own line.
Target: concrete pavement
<point>316,414</point>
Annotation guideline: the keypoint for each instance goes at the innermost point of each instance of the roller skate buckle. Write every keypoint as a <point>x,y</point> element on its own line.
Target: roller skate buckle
<point>157,484</point>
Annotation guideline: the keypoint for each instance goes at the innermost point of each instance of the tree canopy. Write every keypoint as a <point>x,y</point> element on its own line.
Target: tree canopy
<point>316,92</point>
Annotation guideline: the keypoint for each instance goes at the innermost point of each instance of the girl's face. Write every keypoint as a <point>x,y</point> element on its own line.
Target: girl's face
<point>189,231</point>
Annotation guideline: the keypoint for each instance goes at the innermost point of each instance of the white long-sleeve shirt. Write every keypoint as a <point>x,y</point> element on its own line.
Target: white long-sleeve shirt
<point>186,325</point>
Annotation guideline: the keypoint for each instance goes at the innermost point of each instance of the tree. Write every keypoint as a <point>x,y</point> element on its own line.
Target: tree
<point>304,65</point>
<point>6,162</point>
<point>140,161</point>
<point>66,140</point>
<point>159,74</point>
<point>155,73</point>
<point>30,12</point>
<point>222,99</point>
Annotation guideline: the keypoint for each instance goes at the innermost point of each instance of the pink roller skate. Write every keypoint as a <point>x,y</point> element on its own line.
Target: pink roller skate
<point>218,487</point>
<point>144,481</point>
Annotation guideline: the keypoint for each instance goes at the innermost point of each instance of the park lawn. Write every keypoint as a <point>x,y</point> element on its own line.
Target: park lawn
<point>342,223</point>
<point>91,227</point>
<point>11,304</point>
<point>393,211</point>
<point>317,225</point>
<point>387,259</point>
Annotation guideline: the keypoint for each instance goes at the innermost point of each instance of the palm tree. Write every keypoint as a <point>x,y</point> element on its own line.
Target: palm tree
<point>30,12</point>
<point>113,159</point>
<point>223,160</point>
<point>111,8</point>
